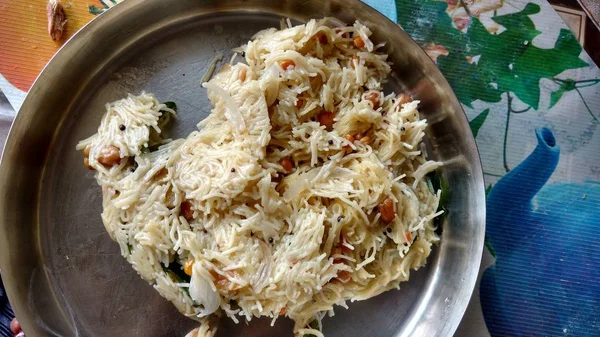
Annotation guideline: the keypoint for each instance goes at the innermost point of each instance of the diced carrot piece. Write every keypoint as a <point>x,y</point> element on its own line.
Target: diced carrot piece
<point>325,118</point>
<point>358,42</point>
<point>287,164</point>
<point>285,64</point>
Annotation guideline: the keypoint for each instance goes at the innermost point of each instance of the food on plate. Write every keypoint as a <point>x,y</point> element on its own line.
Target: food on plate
<point>304,188</point>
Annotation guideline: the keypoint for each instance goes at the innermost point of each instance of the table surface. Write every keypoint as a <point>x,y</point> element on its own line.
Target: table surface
<point>531,95</point>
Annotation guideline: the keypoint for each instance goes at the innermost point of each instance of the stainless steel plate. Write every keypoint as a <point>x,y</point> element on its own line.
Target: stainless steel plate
<point>65,276</point>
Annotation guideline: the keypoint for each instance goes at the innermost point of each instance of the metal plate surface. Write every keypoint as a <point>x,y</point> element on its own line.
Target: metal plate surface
<point>64,275</point>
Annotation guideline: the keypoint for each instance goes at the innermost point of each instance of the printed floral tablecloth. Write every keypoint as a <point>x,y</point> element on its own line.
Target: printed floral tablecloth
<point>531,95</point>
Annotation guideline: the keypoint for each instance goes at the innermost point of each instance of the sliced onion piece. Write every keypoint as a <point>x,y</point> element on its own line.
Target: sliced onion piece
<point>203,291</point>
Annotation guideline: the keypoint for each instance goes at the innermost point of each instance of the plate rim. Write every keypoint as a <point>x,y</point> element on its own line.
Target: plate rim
<point>20,305</point>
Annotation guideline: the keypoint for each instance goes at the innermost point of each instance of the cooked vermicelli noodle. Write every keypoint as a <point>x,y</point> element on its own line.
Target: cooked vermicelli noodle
<point>304,187</point>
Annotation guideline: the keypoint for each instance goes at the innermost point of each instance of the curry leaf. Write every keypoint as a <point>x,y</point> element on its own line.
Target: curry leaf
<point>477,122</point>
<point>175,270</point>
<point>171,105</point>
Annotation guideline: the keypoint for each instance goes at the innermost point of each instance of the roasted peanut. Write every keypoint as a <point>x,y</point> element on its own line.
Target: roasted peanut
<point>344,276</point>
<point>386,210</point>
<point>109,156</point>
<point>242,74</point>
<point>222,282</point>
<point>287,164</point>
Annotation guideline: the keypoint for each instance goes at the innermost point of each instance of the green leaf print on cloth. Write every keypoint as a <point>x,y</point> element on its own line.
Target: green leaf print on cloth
<point>477,122</point>
<point>565,86</point>
<point>485,64</point>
